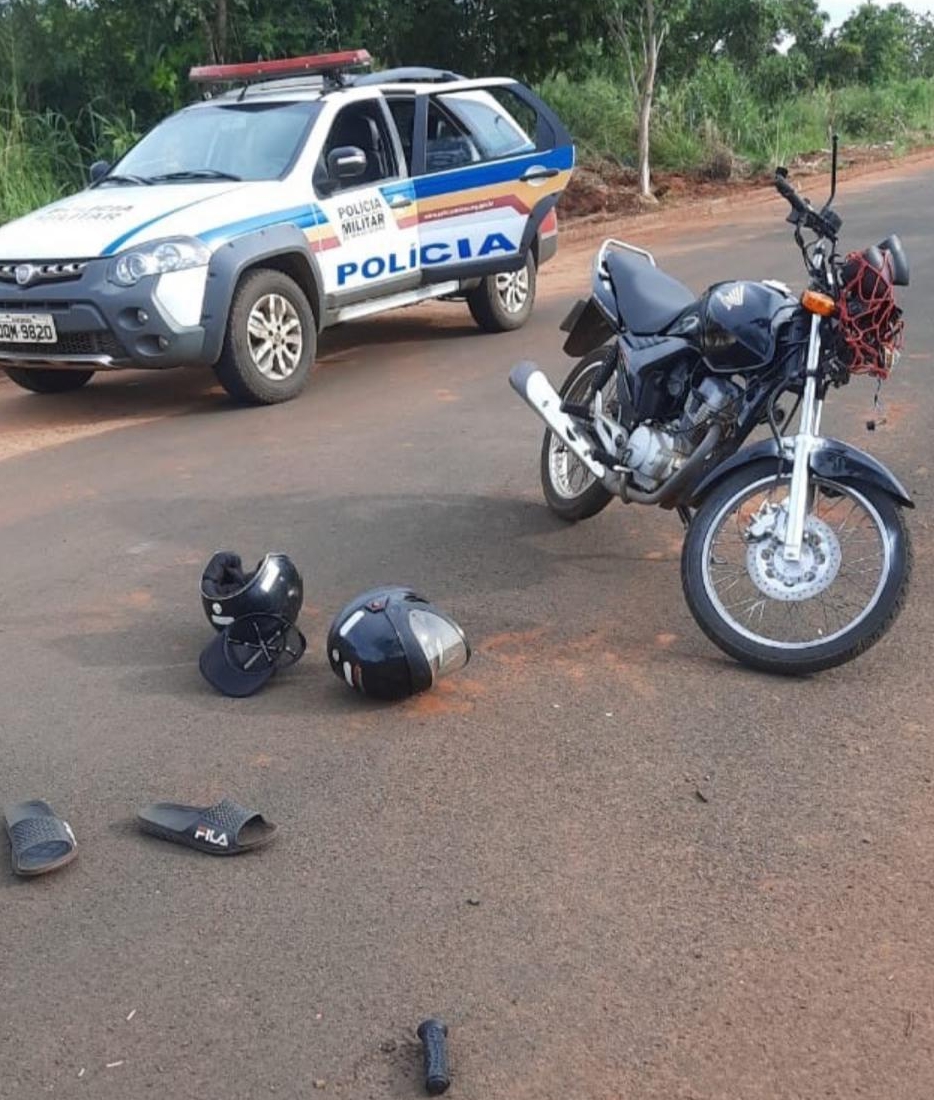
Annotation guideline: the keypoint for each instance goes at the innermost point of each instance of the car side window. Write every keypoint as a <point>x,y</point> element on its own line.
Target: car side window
<point>494,130</point>
<point>448,143</point>
<point>361,126</point>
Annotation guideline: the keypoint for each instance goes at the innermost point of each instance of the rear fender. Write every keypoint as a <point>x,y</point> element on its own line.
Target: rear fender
<point>830,458</point>
<point>587,327</point>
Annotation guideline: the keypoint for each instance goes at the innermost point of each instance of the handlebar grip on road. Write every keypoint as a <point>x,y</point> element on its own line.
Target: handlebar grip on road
<point>787,191</point>
<point>433,1034</point>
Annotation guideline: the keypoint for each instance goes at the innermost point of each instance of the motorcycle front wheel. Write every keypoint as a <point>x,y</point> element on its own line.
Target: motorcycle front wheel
<point>571,490</point>
<point>799,617</point>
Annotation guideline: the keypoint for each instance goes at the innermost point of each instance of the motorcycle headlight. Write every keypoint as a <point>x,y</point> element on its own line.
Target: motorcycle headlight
<point>158,258</point>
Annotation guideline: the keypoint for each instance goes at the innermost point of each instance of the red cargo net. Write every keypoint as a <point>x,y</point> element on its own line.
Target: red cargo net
<point>871,326</point>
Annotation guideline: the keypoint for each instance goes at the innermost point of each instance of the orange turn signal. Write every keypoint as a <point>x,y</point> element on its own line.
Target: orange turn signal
<point>821,304</point>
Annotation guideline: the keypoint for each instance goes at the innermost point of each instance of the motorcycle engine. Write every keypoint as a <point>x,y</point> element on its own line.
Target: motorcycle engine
<point>654,454</point>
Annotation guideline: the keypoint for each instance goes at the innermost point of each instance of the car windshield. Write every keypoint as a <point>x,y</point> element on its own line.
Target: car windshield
<point>248,141</point>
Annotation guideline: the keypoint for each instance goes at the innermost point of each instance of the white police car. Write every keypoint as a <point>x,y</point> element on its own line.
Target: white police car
<point>308,194</point>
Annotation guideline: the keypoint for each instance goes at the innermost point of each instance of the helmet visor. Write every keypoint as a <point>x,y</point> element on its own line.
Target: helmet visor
<point>441,640</point>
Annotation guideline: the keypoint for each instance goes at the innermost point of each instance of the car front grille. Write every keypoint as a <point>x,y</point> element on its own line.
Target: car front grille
<point>46,272</point>
<point>70,343</point>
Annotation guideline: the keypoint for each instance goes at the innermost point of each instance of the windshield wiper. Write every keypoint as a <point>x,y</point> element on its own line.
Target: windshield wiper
<point>116,178</point>
<point>197,174</point>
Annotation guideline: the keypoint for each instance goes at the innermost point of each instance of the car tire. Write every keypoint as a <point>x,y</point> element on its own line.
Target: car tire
<point>49,380</point>
<point>503,302</point>
<point>269,347</point>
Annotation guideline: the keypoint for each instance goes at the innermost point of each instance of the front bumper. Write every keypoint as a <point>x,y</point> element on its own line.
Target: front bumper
<point>101,326</point>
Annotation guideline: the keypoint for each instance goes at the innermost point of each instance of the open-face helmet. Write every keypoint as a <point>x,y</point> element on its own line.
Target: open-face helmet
<point>228,593</point>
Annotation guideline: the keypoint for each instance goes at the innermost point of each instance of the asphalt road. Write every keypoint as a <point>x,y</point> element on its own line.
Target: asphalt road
<point>523,851</point>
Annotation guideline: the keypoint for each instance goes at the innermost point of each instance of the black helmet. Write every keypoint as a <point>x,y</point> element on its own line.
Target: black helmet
<point>227,593</point>
<point>391,643</point>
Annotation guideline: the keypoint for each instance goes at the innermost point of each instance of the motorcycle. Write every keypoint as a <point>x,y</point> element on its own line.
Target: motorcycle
<point>796,556</point>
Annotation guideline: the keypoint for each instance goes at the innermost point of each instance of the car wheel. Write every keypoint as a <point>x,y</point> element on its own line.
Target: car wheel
<point>503,302</point>
<point>269,346</point>
<point>49,380</point>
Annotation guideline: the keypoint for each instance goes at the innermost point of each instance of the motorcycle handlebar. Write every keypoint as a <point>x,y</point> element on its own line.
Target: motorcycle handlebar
<point>787,191</point>
<point>824,222</point>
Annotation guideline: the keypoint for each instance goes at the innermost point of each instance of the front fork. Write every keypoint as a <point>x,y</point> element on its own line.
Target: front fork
<point>808,427</point>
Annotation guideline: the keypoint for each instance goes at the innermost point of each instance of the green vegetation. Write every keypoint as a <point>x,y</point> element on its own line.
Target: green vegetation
<point>717,114</point>
<point>44,155</point>
<point>739,84</point>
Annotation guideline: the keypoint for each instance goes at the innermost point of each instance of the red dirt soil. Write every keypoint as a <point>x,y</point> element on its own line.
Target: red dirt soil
<point>600,188</point>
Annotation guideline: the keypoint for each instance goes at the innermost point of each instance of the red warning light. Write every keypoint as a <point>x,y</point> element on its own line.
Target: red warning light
<point>320,64</point>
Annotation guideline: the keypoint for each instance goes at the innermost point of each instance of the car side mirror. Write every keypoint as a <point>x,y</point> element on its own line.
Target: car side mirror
<point>346,163</point>
<point>98,170</point>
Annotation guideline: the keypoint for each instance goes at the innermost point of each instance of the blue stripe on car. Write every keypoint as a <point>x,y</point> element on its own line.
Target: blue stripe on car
<point>302,216</point>
<point>498,171</point>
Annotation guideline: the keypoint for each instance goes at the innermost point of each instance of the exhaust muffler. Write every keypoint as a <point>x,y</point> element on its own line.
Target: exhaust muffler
<point>530,383</point>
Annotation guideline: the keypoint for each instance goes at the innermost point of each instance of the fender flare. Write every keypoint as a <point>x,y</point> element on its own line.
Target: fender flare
<point>830,458</point>
<point>231,259</point>
<point>536,216</point>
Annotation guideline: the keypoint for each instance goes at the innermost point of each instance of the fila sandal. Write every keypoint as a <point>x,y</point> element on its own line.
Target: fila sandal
<point>222,830</point>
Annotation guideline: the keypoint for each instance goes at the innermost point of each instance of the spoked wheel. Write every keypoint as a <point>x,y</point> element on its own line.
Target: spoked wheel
<point>571,490</point>
<point>795,617</point>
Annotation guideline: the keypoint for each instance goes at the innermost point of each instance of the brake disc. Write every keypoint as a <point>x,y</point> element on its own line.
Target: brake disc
<point>793,581</point>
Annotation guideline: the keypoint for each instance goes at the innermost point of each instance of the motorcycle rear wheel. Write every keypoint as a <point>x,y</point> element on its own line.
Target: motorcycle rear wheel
<point>795,618</point>
<point>571,490</point>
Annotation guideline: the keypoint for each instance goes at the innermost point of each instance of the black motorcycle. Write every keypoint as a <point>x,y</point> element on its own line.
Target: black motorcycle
<point>796,556</point>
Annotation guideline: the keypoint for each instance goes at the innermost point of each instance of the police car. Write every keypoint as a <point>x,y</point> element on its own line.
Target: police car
<point>309,192</point>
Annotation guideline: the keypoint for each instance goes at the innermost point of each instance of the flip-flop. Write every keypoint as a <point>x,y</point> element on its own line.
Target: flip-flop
<point>40,841</point>
<point>222,830</point>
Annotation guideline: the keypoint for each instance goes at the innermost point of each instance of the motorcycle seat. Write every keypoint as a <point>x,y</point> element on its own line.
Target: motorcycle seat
<point>648,300</point>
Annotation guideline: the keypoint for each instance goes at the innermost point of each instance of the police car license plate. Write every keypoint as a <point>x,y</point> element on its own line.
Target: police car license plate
<point>27,328</point>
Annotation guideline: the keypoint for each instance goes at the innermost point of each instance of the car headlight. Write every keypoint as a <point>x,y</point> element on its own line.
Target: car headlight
<point>157,258</point>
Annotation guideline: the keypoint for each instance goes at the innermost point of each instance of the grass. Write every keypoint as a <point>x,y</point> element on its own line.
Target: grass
<point>44,156</point>
<point>34,161</point>
<point>718,111</point>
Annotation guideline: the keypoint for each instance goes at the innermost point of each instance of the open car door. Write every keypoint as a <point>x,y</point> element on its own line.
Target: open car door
<point>490,161</point>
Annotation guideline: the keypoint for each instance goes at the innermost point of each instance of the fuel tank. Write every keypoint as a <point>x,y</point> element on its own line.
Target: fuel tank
<point>740,323</point>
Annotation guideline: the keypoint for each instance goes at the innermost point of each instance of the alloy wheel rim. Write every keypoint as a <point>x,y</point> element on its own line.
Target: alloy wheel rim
<point>512,288</point>
<point>274,334</point>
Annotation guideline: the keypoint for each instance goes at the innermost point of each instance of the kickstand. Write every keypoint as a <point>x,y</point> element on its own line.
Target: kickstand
<point>685,515</point>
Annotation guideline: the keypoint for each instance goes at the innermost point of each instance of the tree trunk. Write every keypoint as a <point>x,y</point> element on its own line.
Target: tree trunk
<point>220,30</point>
<point>651,46</point>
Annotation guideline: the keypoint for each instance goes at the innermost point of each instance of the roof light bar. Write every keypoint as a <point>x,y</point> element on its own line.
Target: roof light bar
<point>323,64</point>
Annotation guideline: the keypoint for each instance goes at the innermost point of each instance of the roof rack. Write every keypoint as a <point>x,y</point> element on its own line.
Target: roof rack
<point>409,75</point>
<point>330,66</point>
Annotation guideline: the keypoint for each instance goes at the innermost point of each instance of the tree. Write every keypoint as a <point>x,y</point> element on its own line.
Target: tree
<point>873,46</point>
<point>922,46</point>
<point>641,28</point>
